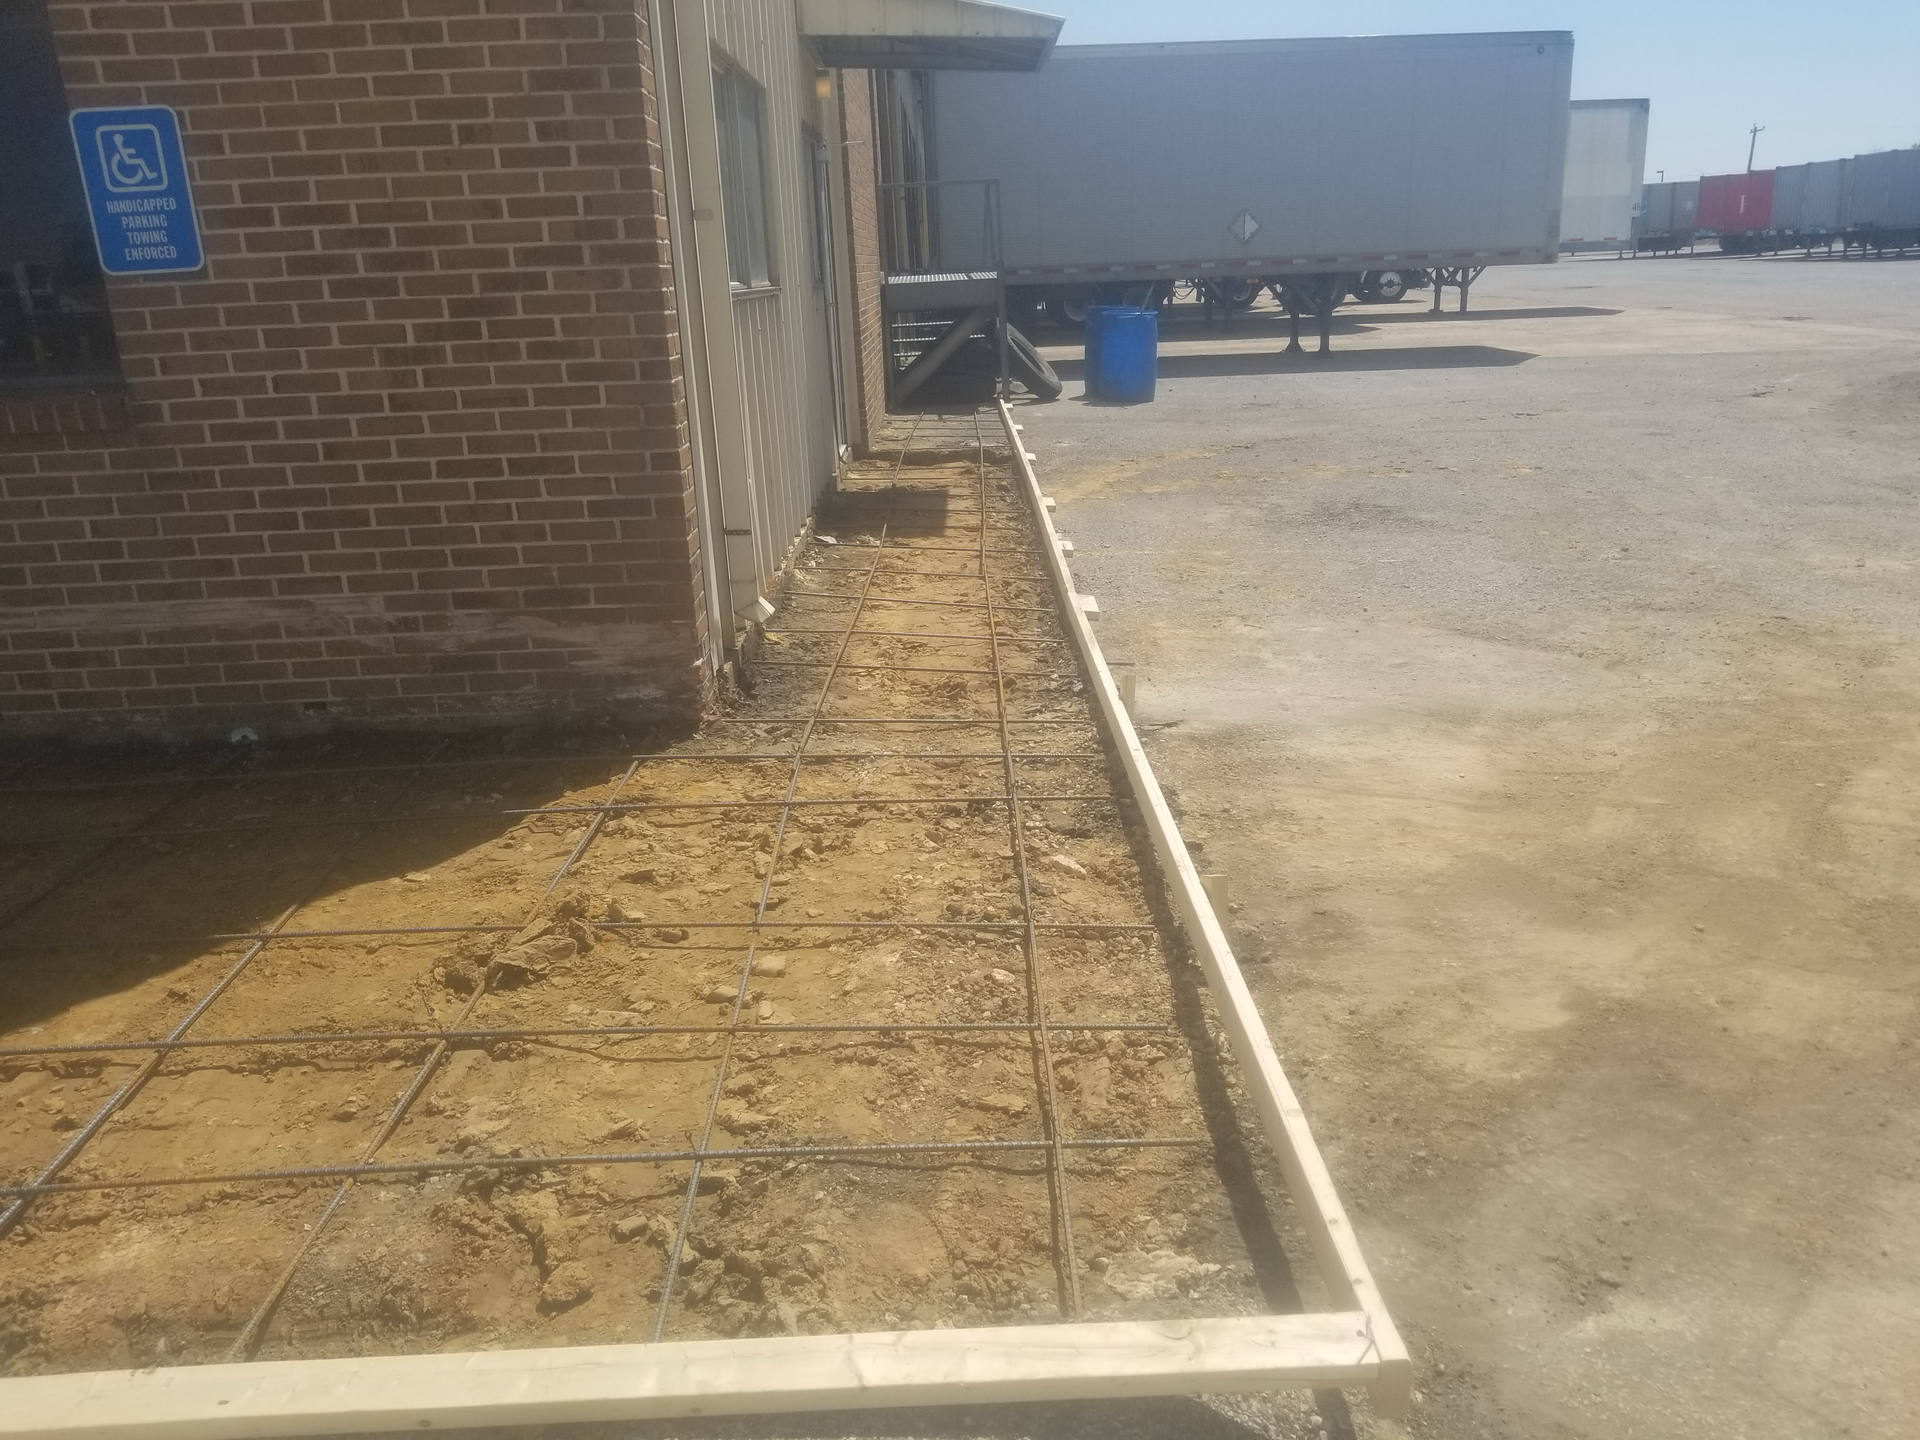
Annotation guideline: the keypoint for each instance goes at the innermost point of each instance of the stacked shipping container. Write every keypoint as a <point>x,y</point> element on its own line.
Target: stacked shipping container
<point>1872,201</point>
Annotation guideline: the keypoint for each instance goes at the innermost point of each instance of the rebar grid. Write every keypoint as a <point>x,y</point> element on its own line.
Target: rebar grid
<point>12,1215</point>
<point>250,1335</point>
<point>1038,1028</point>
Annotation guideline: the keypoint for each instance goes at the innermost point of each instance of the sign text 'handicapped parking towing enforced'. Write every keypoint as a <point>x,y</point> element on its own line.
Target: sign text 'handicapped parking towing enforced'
<point>135,174</point>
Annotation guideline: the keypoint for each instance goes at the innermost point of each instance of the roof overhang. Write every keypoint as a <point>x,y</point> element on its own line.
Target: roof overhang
<point>927,34</point>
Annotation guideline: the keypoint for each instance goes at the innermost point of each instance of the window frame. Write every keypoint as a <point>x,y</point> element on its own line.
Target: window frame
<point>56,323</point>
<point>740,113</point>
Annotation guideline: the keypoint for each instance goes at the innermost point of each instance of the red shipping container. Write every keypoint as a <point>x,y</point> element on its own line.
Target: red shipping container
<point>1734,204</point>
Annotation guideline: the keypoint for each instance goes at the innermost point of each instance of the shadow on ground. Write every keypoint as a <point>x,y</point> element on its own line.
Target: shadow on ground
<point>1280,362</point>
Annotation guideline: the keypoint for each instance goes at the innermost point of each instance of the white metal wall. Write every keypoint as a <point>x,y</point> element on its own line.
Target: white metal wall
<point>1606,171</point>
<point>781,336</point>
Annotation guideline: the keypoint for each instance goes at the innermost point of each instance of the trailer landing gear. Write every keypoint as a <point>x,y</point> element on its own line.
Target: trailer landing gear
<point>1317,294</point>
<point>1461,277</point>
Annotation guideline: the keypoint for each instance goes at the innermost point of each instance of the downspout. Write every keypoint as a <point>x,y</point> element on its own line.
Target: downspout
<point>703,278</point>
<point>707,501</point>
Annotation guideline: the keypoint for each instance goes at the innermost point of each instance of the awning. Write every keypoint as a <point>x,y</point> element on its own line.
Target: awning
<point>927,34</point>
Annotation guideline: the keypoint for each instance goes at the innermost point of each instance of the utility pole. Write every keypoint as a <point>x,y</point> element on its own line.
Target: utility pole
<point>1752,140</point>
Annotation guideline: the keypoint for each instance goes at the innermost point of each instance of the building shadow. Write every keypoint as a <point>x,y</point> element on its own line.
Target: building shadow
<point>1190,325</point>
<point>1533,312</point>
<point>1280,362</point>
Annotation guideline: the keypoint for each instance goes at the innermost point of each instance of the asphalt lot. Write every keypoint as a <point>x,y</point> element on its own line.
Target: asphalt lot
<point>1545,681</point>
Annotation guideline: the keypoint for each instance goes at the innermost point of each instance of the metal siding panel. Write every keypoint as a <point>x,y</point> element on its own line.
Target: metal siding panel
<point>1132,155</point>
<point>1820,206</point>
<point>785,365</point>
<point>1656,217</point>
<point>1686,205</point>
<point>1789,197</point>
<point>1869,197</point>
<point>1903,188</point>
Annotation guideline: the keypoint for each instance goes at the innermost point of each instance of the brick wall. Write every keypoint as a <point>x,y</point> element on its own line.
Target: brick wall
<point>412,447</point>
<point>855,88</point>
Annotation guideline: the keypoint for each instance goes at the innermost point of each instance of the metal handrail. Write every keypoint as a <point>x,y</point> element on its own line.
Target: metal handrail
<point>904,251</point>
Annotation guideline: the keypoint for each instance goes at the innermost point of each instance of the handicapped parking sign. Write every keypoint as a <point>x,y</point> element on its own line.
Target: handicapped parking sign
<point>135,173</point>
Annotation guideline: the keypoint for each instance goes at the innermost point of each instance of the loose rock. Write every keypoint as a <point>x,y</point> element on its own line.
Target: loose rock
<point>637,1227</point>
<point>568,1286</point>
<point>1155,1275</point>
<point>1000,1103</point>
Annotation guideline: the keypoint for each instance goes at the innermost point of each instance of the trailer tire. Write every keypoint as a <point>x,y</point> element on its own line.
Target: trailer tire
<point>1029,367</point>
<point>1384,287</point>
<point>1069,312</point>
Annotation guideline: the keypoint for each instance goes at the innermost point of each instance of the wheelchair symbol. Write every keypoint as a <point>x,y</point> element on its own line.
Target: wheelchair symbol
<point>130,155</point>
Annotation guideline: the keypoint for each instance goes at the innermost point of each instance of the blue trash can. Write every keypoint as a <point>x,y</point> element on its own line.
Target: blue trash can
<point>1096,331</point>
<point>1129,356</point>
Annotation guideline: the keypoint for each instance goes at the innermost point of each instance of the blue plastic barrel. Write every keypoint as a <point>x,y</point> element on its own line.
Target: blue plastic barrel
<point>1096,330</point>
<point>1129,356</point>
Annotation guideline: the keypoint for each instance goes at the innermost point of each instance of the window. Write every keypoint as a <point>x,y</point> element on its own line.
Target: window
<point>736,102</point>
<point>54,327</point>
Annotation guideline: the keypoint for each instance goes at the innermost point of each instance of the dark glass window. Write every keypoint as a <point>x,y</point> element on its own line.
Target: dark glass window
<point>54,326</point>
<point>736,101</point>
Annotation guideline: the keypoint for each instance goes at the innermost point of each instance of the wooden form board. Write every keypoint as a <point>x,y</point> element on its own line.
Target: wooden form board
<point>1336,1252</point>
<point>699,1377</point>
<point>1356,1345</point>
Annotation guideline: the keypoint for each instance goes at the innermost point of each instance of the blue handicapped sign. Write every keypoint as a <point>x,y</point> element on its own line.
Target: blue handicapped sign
<point>134,170</point>
<point>135,162</point>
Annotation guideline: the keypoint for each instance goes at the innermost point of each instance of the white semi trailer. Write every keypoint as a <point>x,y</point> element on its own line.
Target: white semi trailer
<point>1314,167</point>
<point>1606,175</point>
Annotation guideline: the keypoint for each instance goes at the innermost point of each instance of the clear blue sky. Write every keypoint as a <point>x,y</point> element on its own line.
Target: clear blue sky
<point>1826,79</point>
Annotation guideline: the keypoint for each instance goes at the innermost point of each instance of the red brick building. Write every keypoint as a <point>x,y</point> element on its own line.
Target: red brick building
<point>528,333</point>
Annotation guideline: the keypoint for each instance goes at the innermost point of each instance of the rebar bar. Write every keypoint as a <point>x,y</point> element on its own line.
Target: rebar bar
<point>36,842</point>
<point>887,720</point>
<point>104,845</point>
<point>903,800</point>
<point>1050,1119</point>
<point>899,600</point>
<point>921,635</point>
<point>492,1035</point>
<point>450,1166</point>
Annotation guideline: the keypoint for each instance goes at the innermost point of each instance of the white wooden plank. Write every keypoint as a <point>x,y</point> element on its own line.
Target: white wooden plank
<point>704,1377</point>
<point>1342,1267</point>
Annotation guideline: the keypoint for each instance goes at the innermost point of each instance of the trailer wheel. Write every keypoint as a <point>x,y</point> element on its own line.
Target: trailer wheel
<point>1384,287</point>
<point>1069,312</point>
<point>1238,293</point>
<point>1029,367</point>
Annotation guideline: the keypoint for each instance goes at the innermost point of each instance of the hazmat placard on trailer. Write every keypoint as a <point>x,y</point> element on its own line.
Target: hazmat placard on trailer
<point>135,173</point>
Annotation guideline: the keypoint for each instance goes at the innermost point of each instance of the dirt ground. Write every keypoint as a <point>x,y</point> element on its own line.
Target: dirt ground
<point>737,960</point>
<point>1545,681</point>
